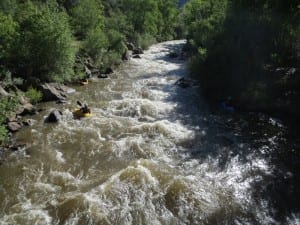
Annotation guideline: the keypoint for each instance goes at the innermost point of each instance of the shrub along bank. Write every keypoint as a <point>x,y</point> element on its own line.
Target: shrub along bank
<point>246,52</point>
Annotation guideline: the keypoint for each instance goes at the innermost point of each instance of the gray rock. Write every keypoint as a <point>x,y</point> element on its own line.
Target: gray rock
<point>14,126</point>
<point>26,109</point>
<point>130,46</point>
<point>102,76</point>
<point>108,71</point>
<point>88,72</point>
<point>54,116</point>
<point>137,51</point>
<point>29,122</point>
<point>126,55</point>
<point>54,92</point>
<point>136,57</point>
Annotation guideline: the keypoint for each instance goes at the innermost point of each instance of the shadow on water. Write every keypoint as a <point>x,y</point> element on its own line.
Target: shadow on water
<point>222,135</point>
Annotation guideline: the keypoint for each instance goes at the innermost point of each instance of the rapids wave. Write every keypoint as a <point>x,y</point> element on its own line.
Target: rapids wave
<point>152,153</point>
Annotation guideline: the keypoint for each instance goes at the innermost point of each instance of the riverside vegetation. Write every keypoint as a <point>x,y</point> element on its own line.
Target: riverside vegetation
<point>46,41</point>
<point>246,53</point>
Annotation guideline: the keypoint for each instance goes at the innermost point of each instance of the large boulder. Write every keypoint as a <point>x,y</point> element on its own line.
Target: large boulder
<point>54,116</point>
<point>54,91</point>
<point>26,109</point>
<point>14,126</point>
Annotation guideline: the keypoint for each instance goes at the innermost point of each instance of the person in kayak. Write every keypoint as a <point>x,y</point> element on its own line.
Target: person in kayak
<point>84,108</point>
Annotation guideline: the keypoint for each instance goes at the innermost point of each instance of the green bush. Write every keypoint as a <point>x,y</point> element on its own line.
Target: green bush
<point>34,95</point>
<point>45,48</point>
<point>96,43</point>
<point>8,36</point>
<point>145,40</point>
<point>7,105</point>
<point>86,15</point>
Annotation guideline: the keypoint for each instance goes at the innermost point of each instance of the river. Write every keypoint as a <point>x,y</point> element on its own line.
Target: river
<point>151,153</point>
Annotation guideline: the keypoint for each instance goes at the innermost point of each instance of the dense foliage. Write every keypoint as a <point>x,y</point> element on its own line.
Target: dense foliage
<point>39,39</point>
<point>238,46</point>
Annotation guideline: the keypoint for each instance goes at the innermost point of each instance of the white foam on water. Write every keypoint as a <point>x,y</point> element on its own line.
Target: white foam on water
<point>156,182</point>
<point>27,213</point>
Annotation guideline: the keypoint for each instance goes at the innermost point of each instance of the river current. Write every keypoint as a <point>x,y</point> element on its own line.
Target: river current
<point>151,153</point>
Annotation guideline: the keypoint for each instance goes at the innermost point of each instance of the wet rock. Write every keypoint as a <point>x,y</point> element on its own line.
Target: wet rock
<point>29,122</point>
<point>61,101</point>
<point>126,55</point>
<point>26,109</point>
<point>54,116</point>
<point>130,46</point>
<point>185,83</point>
<point>88,72</point>
<point>50,93</point>
<point>102,76</point>
<point>137,51</point>
<point>54,92</point>
<point>14,126</point>
<point>173,55</point>
<point>108,71</point>
<point>136,57</point>
<point>95,71</point>
<point>18,146</point>
<point>89,63</point>
<point>13,118</point>
<point>182,82</point>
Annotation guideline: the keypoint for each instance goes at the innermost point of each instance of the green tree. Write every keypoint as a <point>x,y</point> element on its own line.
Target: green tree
<point>86,15</point>
<point>45,49</point>
<point>8,36</point>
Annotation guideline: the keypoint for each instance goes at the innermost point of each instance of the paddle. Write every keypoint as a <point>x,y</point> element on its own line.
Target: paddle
<point>79,103</point>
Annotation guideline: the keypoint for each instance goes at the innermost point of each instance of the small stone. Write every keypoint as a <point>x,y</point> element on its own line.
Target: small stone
<point>29,122</point>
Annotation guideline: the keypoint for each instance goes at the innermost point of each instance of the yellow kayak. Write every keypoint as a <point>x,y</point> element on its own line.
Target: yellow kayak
<point>78,113</point>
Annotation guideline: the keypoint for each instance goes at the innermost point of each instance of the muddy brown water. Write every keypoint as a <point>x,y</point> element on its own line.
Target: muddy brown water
<point>151,153</point>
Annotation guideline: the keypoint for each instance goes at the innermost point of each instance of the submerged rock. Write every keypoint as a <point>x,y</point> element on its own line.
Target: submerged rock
<point>185,83</point>
<point>173,55</point>
<point>29,122</point>
<point>102,76</point>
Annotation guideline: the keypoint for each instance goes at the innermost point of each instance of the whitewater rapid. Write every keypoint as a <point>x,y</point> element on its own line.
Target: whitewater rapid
<point>152,153</point>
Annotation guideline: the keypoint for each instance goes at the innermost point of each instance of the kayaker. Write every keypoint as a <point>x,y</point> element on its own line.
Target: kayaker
<point>84,107</point>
